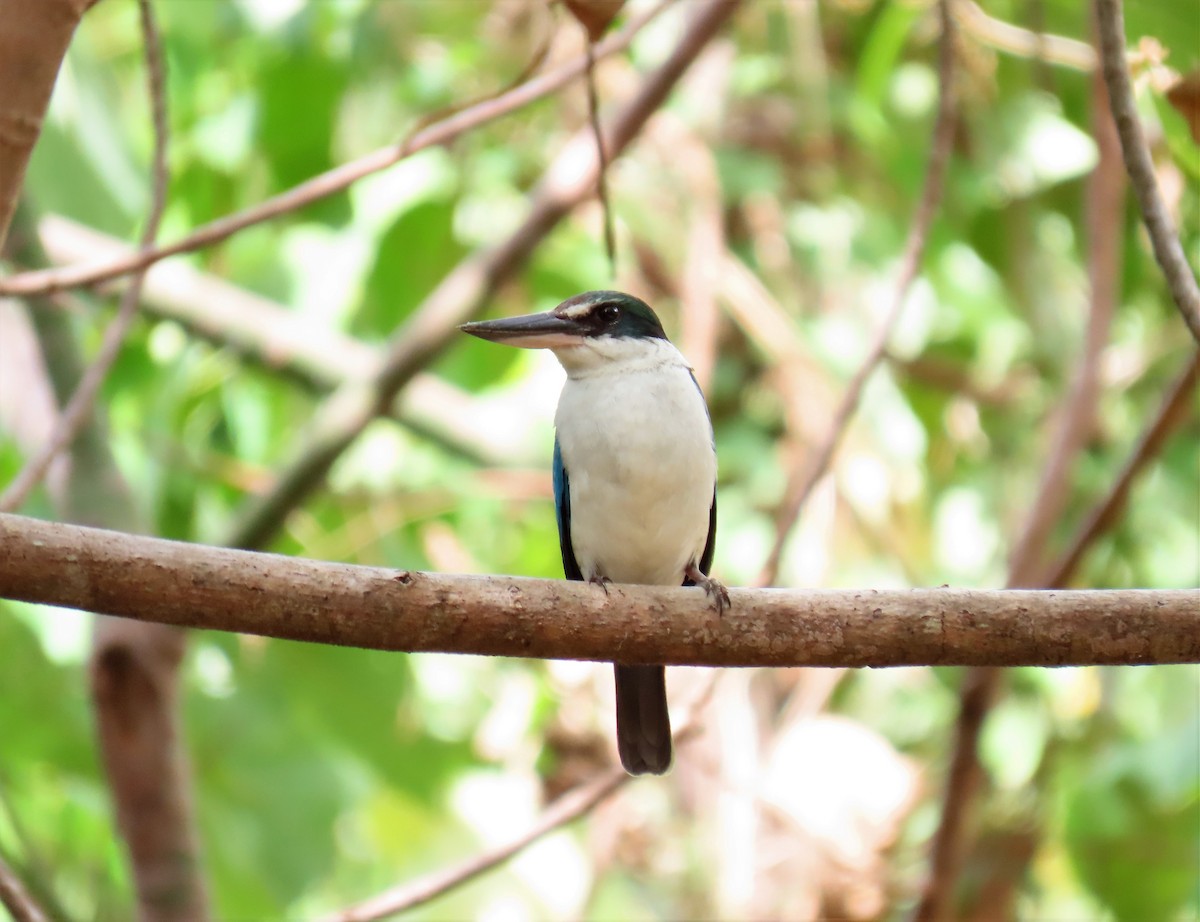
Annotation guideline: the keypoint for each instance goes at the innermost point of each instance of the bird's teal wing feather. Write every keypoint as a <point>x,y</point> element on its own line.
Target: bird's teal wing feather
<point>562,506</point>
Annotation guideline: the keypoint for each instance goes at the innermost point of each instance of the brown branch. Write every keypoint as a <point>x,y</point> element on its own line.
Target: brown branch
<point>407,896</point>
<point>593,101</point>
<point>16,899</point>
<point>464,292</point>
<point>981,686</point>
<point>191,585</point>
<point>1167,249</point>
<point>804,478</point>
<point>1024,43</point>
<point>1104,198</point>
<point>78,409</point>
<point>46,281</point>
<point>1107,513</point>
<point>33,43</point>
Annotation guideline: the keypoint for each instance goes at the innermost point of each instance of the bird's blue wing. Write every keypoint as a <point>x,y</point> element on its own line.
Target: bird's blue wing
<point>562,506</point>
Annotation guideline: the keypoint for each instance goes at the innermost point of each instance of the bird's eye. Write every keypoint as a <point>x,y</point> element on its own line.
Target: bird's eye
<point>608,313</point>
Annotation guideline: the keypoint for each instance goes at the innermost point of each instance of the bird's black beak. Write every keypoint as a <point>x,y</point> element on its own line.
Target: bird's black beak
<point>531,331</point>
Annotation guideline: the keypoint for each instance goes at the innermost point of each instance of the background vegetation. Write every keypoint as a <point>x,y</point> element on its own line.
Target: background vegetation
<point>763,212</point>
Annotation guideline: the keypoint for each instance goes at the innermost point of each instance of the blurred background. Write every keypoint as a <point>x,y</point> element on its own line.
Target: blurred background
<point>763,211</point>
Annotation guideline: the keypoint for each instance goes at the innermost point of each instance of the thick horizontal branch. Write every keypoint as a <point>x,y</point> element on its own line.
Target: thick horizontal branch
<point>205,587</point>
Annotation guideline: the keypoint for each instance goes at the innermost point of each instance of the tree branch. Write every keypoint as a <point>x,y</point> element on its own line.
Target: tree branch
<point>47,281</point>
<point>805,477</point>
<point>1108,511</point>
<point>1024,43</point>
<point>33,43</point>
<point>16,899</point>
<point>190,585</point>
<point>463,293</point>
<point>78,409</point>
<point>411,894</point>
<point>1167,249</point>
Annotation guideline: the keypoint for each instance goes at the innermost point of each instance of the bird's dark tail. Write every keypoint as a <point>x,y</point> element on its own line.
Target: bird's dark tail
<point>643,724</point>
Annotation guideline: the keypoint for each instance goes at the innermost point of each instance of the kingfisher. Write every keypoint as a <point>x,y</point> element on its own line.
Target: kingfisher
<point>635,475</point>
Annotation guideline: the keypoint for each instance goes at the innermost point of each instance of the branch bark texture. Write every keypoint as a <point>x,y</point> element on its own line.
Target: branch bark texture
<point>1167,249</point>
<point>34,38</point>
<point>205,587</point>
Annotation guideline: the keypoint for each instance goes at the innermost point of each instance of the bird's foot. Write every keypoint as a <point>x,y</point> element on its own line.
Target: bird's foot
<point>601,581</point>
<point>716,591</point>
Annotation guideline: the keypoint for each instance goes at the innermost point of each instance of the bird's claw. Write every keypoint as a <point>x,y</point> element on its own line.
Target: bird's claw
<point>601,581</point>
<point>713,588</point>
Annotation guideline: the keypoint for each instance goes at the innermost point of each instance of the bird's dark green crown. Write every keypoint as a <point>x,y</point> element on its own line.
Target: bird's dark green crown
<point>612,313</point>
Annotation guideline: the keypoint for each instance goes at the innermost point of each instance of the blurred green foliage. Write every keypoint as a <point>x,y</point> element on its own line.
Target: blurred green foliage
<point>325,774</point>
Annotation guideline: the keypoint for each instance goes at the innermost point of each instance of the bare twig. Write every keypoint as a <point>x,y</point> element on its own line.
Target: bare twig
<point>1167,249</point>
<point>190,585</point>
<point>566,809</point>
<point>79,407</point>
<point>465,291</point>
<point>407,896</point>
<point>593,100</point>
<point>1104,516</point>
<point>982,684</point>
<point>1103,206</point>
<point>16,899</point>
<point>804,478</point>
<point>45,281</point>
<point>1025,43</point>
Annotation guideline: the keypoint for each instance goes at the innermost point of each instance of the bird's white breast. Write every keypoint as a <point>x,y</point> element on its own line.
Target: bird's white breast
<point>636,443</point>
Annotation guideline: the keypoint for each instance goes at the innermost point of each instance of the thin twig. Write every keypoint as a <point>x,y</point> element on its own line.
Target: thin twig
<point>610,246</point>
<point>16,899</point>
<point>804,478</point>
<point>464,292</point>
<point>569,807</point>
<point>1025,43</point>
<point>46,281</point>
<point>1107,512</point>
<point>981,685</point>
<point>1167,249</point>
<point>407,896</point>
<point>79,407</point>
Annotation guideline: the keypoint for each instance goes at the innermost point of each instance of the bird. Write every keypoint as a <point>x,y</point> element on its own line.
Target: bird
<point>635,475</point>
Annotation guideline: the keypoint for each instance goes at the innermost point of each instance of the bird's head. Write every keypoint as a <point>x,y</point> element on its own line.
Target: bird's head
<point>594,328</point>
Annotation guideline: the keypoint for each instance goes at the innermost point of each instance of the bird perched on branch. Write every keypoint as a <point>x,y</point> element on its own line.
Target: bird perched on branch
<point>635,475</point>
